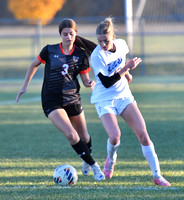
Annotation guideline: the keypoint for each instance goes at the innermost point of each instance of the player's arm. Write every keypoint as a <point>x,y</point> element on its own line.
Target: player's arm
<point>86,81</point>
<point>131,64</point>
<point>29,75</point>
<point>128,76</point>
<point>109,81</point>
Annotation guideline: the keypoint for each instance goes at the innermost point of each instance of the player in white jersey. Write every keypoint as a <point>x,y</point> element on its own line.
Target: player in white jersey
<point>108,63</point>
<point>111,96</point>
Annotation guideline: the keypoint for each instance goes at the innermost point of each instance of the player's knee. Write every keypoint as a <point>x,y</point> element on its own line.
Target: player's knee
<point>144,139</point>
<point>85,138</point>
<point>115,139</point>
<point>72,138</point>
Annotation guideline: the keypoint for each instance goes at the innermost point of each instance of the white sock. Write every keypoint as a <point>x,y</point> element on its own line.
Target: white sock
<point>111,149</point>
<point>151,157</point>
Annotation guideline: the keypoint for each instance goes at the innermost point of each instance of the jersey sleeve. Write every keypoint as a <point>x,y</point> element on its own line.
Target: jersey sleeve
<point>98,66</point>
<point>85,66</point>
<point>43,56</point>
<point>125,47</point>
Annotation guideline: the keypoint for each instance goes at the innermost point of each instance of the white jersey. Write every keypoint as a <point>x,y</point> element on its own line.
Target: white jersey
<point>109,63</point>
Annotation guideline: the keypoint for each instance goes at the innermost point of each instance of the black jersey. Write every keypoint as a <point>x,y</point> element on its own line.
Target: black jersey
<point>60,85</point>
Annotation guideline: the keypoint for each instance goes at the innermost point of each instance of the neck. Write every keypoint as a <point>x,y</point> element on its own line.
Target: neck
<point>113,48</point>
<point>67,48</point>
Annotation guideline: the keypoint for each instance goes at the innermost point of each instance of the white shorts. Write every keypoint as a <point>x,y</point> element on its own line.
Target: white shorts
<point>113,106</point>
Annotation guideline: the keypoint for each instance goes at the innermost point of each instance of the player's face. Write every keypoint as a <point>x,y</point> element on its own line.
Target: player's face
<point>106,41</point>
<point>68,36</point>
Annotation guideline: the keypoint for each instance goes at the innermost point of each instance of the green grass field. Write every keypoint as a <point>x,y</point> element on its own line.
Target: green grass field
<point>31,147</point>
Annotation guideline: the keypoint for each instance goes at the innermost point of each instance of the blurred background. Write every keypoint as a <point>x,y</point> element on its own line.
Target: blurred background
<point>154,30</point>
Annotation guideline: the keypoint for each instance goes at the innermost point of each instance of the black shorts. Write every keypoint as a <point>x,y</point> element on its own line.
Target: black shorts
<point>71,110</point>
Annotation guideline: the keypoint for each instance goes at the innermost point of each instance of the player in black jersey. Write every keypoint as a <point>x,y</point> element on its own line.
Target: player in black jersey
<point>60,91</point>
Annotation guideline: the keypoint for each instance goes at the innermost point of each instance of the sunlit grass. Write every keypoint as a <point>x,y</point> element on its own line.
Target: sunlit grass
<point>39,172</point>
<point>31,147</point>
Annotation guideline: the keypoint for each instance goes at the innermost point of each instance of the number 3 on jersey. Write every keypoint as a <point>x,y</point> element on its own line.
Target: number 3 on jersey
<point>65,69</point>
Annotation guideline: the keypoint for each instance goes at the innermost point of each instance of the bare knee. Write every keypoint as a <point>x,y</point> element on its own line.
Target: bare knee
<point>85,137</point>
<point>114,138</point>
<point>73,138</point>
<point>144,139</point>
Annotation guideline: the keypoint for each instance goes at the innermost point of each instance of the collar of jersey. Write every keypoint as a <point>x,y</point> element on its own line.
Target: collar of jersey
<point>63,50</point>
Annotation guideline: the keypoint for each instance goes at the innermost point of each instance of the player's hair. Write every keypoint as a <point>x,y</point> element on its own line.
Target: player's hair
<point>105,26</point>
<point>67,23</point>
<point>85,44</point>
<point>81,42</point>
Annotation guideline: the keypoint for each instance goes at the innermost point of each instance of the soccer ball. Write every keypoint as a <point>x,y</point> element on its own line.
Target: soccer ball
<point>65,175</point>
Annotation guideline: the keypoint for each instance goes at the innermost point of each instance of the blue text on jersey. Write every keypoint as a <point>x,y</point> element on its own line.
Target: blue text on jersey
<point>113,65</point>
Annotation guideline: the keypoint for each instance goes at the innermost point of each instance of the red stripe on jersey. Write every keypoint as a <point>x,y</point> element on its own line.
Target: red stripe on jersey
<point>42,61</point>
<point>72,50</point>
<point>85,71</point>
<point>63,50</point>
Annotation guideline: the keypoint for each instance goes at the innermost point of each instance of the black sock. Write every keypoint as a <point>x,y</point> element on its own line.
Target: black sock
<point>89,144</point>
<point>82,150</point>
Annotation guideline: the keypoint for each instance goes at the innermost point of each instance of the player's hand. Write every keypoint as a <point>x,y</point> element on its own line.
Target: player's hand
<point>92,84</point>
<point>22,91</point>
<point>131,64</point>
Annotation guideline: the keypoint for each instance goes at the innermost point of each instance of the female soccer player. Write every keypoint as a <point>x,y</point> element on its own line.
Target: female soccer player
<point>61,100</point>
<point>111,96</point>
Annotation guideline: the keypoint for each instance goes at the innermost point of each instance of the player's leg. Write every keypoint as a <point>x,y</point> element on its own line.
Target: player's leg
<point>79,123</point>
<point>60,119</point>
<point>134,119</point>
<point>110,124</point>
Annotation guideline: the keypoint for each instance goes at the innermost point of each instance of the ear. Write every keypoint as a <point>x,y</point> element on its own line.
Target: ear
<point>114,36</point>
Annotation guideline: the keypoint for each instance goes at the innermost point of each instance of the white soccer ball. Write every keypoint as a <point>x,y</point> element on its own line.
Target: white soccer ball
<point>65,175</point>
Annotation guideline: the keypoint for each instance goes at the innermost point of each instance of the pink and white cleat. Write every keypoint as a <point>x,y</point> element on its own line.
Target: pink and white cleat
<point>161,181</point>
<point>109,166</point>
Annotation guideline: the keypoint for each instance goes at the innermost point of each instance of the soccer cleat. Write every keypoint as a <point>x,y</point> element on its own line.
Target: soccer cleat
<point>161,181</point>
<point>97,173</point>
<point>86,168</point>
<point>109,166</point>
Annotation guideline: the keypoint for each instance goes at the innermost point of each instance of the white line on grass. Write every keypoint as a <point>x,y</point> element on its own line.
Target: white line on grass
<point>87,188</point>
<point>12,102</point>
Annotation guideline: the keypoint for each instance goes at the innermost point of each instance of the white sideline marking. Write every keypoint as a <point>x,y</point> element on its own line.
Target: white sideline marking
<point>87,188</point>
<point>12,102</point>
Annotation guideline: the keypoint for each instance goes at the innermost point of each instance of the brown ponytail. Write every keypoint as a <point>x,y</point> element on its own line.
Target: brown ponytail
<point>87,45</point>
